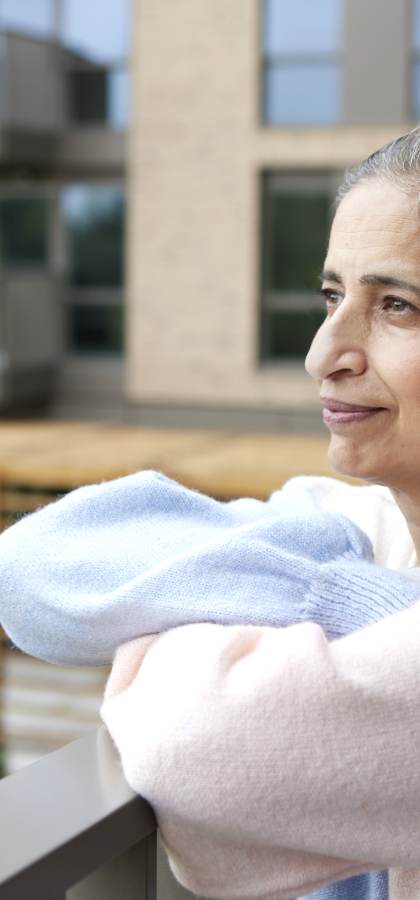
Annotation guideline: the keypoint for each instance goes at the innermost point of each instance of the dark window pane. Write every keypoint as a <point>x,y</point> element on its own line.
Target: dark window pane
<point>302,93</point>
<point>87,96</point>
<point>94,218</point>
<point>23,231</point>
<point>302,26</point>
<point>295,239</point>
<point>99,96</point>
<point>289,334</point>
<point>96,329</point>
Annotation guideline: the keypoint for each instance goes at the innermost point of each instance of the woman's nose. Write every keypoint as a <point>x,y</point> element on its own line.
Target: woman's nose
<point>334,350</point>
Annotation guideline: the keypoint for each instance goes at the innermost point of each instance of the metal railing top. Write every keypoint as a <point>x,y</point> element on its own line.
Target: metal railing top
<point>64,816</point>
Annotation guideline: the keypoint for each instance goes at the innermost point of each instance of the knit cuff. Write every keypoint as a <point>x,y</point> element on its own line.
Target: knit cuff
<point>353,594</point>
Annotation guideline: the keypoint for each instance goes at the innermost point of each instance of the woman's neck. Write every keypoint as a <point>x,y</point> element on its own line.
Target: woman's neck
<point>410,508</point>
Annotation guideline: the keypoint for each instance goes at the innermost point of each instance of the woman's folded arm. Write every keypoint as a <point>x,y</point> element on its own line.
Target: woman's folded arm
<point>141,554</point>
<point>275,760</point>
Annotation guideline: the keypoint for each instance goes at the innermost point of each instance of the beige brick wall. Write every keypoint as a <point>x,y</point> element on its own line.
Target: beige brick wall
<point>195,153</point>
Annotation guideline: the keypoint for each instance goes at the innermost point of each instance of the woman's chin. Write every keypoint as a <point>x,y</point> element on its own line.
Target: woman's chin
<point>347,458</point>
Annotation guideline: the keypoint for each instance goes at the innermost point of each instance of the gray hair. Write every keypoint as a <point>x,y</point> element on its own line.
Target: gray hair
<point>398,162</point>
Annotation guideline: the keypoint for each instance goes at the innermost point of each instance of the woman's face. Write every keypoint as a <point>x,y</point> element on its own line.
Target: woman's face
<point>367,351</point>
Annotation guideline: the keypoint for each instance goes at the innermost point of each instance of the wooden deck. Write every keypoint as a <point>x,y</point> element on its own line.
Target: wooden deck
<point>59,456</point>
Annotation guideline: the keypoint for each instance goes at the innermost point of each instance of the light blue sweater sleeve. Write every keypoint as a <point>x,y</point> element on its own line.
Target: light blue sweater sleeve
<point>140,554</point>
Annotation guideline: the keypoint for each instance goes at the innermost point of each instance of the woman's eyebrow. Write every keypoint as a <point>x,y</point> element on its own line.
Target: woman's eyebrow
<point>373,279</point>
<point>389,281</point>
<point>329,275</point>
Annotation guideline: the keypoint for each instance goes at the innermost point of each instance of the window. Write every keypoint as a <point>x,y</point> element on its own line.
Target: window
<point>24,223</point>
<point>94,222</point>
<point>96,329</point>
<point>296,216</point>
<point>93,217</point>
<point>99,96</point>
<point>98,45</point>
<point>87,96</point>
<point>301,61</point>
<point>31,17</point>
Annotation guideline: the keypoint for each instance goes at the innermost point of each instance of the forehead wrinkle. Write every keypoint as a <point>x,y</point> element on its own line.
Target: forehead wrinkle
<point>372,278</point>
<point>381,229</point>
<point>376,232</point>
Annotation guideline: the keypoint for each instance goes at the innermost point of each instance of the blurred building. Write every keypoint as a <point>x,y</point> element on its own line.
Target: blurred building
<point>244,115</point>
<point>63,119</point>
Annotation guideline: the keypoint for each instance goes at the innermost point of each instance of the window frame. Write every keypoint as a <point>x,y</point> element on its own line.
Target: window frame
<point>295,181</point>
<point>89,296</point>
<point>270,60</point>
<point>72,66</point>
<point>29,189</point>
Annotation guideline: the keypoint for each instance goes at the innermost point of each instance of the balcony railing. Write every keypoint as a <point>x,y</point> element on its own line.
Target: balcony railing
<point>71,827</point>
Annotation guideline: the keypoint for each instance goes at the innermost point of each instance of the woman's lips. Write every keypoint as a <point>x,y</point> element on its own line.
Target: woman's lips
<point>338,412</point>
<point>340,417</point>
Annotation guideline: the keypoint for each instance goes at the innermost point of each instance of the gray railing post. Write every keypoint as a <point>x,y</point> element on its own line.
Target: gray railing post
<point>131,876</point>
<point>69,817</point>
<point>72,829</point>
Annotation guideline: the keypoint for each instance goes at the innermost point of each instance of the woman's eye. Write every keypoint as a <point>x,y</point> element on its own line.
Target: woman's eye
<point>332,298</point>
<point>397,305</point>
<point>394,305</point>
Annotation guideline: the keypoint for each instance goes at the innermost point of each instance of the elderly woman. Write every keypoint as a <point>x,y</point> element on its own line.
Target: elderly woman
<point>300,757</point>
<point>278,759</point>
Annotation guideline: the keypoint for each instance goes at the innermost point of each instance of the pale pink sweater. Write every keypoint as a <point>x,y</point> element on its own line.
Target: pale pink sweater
<point>276,761</point>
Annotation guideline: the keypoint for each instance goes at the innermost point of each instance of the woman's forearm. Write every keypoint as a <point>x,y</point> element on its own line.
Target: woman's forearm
<point>275,761</point>
<point>111,562</point>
